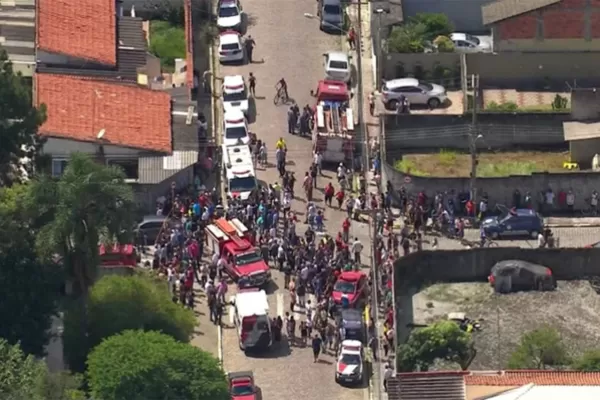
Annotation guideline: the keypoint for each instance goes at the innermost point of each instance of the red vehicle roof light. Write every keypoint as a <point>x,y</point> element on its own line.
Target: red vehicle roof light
<point>237,87</point>
<point>230,32</point>
<point>241,172</point>
<point>548,272</point>
<point>234,121</point>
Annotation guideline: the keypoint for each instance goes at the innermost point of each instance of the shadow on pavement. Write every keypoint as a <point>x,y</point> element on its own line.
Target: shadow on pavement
<point>278,350</point>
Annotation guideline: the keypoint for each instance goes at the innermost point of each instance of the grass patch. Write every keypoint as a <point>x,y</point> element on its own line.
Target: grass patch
<point>167,42</point>
<point>447,157</point>
<point>489,170</point>
<point>409,167</point>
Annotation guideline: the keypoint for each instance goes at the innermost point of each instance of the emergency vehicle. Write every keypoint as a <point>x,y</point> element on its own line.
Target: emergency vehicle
<point>349,364</point>
<point>235,95</point>
<point>243,262</point>
<point>252,321</point>
<point>334,122</point>
<point>235,128</point>
<point>238,169</point>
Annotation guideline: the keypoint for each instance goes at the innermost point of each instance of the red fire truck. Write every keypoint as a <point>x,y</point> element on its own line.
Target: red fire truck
<point>231,240</point>
<point>334,122</point>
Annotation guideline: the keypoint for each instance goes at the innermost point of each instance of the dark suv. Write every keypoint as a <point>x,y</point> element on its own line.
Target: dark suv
<point>521,222</point>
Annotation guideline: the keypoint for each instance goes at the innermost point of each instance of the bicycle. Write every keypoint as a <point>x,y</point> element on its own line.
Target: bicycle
<point>280,97</point>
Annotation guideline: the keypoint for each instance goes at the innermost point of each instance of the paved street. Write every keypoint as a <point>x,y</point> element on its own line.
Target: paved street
<point>289,46</point>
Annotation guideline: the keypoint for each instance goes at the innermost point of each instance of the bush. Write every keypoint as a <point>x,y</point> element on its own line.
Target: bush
<point>539,349</point>
<point>589,362</point>
<point>503,107</point>
<point>138,365</point>
<point>118,303</point>
<point>408,38</point>
<point>167,42</point>
<point>435,25</point>
<point>444,44</point>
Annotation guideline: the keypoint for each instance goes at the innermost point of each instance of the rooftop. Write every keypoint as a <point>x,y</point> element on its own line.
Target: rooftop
<point>83,29</point>
<point>80,107</point>
<point>503,9</point>
<point>524,377</point>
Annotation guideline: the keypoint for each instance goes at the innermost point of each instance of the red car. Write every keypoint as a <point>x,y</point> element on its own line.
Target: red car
<point>241,386</point>
<point>351,284</point>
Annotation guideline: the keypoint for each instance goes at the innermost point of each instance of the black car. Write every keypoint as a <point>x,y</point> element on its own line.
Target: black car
<point>514,275</point>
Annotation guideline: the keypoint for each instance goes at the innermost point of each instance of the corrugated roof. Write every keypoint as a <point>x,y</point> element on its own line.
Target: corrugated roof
<point>503,9</point>
<point>524,377</point>
<point>79,28</point>
<point>581,130</point>
<point>427,386</point>
<point>156,169</point>
<point>79,108</point>
<point>131,33</point>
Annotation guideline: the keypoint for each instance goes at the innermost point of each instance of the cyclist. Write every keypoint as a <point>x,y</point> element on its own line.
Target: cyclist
<point>281,144</point>
<point>281,87</point>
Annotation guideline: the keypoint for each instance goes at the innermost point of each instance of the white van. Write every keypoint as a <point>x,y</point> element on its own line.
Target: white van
<point>251,319</point>
<point>238,169</point>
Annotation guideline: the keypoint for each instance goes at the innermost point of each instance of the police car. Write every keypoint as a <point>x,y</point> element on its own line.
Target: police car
<point>231,48</point>
<point>235,95</point>
<point>349,365</point>
<point>229,15</point>
<point>235,128</point>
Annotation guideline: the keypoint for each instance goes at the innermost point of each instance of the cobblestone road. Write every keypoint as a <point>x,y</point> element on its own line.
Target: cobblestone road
<point>289,46</point>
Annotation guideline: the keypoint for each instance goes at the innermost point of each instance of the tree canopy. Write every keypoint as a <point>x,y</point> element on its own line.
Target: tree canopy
<point>29,287</point>
<point>443,340</point>
<point>137,365</point>
<point>419,33</point>
<point>22,377</point>
<point>589,362</point>
<point>19,123</point>
<point>539,349</point>
<point>119,303</point>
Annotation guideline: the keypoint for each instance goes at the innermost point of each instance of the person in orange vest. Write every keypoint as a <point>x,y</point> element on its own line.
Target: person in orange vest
<point>346,230</point>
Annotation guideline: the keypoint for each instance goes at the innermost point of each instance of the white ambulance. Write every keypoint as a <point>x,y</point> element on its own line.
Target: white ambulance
<point>238,170</point>
<point>251,320</point>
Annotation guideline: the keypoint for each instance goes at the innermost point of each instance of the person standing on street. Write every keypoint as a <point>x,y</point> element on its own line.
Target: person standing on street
<point>292,119</point>
<point>357,248</point>
<point>316,347</point>
<point>372,103</point>
<point>252,84</point>
<point>387,374</point>
<point>250,44</point>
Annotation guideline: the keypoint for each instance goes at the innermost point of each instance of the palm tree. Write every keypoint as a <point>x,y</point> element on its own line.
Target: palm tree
<point>91,203</point>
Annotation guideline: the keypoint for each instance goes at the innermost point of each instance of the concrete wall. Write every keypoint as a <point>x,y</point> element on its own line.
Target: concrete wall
<point>464,14</point>
<point>499,130</point>
<point>511,70</point>
<point>500,190</point>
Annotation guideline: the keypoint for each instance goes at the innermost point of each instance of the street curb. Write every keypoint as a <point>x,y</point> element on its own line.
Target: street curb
<point>595,225</point>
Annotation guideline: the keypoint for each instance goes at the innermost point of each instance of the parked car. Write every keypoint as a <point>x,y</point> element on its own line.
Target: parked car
<point>337,66</point>
<point>352,286</point>
<point>349,364</point>
<point>235,128</point>
<point>415,91</point>
<point>148,230</point>
<point>229,15</point>
<point>231,48</point>
<point>235,95</point>
<point>465,43</point>
<point>517,222</point>
<point>330,14</point>
<point>513,275</point>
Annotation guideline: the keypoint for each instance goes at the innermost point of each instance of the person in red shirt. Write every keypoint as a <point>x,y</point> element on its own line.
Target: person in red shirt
<point>340,197</point>
<point>470,209</point>
<point>346,230</point>
<point>329,191</point>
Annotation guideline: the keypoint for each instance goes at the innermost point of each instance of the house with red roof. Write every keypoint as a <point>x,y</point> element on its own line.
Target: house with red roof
<point>495,385</point>
<point>92,74</point>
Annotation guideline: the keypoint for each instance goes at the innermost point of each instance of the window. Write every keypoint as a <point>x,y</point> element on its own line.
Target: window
<point>225,12</point>
<point>338,65</point>
<point>332,9</point>
<point>58,167</point>
<point>230,46</point>
<point>129,166</point>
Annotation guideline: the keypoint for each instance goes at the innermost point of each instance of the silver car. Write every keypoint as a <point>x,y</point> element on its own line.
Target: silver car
<point>415,91</point>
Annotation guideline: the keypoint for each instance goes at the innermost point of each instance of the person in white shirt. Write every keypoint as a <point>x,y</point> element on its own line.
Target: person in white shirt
<point>541,241</point>
<point>570,200</point>
<point>171,279</point>
<point>356,249</point>
<point>318,161</point>
<point>387,374</point>
<point>549,199</point>
<point>215,259</point>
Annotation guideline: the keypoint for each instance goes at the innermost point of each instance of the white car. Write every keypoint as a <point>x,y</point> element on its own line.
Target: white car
<point>235,95</point>
<point>349,364</point>
<point>229,15</point>
<point>414,90</point>
<point>231,48</point>
<point>337,66</point>
<point>465,43</point>
<point>235,128</point>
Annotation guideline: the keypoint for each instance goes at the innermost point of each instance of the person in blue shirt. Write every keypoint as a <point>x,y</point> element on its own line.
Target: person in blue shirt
<point>196,209</point>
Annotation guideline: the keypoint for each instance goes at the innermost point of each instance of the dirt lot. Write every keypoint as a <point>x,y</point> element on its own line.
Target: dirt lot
<point>572,309</point>
<point>452,164</point>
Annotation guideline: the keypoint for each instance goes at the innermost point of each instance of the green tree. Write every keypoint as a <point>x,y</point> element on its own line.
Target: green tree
<point>435,25</point>
<point>118,303</point>
<point>26,284</point>
<point>138,365</point>
<point>167,42</point>
<point>408,38</point>
<point>539,349</point>
<point>443,340</point>
<point>22,377</point>
<point>443,44</point>
<point>19,123</point>
<point>589,362</point>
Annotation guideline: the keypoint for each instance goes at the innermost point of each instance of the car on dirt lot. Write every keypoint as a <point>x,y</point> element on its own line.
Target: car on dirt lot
<point>517,222</point>
<point>241,386</point>
<point>514,275</point>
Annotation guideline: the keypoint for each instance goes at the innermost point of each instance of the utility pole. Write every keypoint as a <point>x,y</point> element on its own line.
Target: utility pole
<point>363,125</point>
<point>378,44</point>
<point>473,136</point>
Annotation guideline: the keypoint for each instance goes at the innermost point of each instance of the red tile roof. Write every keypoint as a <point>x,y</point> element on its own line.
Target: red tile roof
<point>79,28</point>
<point>524,377</point>
<point>79,107</point>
